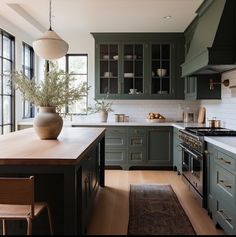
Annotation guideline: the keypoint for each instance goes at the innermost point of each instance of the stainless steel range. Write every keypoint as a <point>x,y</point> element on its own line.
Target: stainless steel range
<point>194,159</point>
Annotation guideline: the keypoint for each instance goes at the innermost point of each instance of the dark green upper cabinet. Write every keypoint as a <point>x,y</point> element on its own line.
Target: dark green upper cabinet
<point>109,68</point>
<point>139,65</point>
<point>198,87</point>
<point>161,65</point>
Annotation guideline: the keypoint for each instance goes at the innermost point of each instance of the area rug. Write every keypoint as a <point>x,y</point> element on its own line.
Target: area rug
<point>155,210</point>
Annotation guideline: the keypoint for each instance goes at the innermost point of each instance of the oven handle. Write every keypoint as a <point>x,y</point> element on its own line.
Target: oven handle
<point>185,148</point>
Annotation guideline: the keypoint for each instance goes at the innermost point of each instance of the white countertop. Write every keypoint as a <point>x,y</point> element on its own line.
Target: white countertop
<point>84,122</point>
<point>227,143</point>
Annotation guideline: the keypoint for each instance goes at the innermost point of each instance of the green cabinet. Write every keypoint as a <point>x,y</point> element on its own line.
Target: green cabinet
<point>138,146</point>
<point>138,65</point>
<point>177,152</point>
<point>222,188</point>
<point>137,143</point>
<point>89,185</point>
<point>198,87</point>
<point>160,146</point>
<point>116,146</point>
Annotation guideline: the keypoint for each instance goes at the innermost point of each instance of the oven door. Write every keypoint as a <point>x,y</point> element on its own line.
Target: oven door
<point>197,173</point>
<point>192,168</point>
<point>186,162</point>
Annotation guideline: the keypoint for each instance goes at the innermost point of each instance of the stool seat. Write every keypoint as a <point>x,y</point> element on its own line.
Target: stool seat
<point>17,203</point>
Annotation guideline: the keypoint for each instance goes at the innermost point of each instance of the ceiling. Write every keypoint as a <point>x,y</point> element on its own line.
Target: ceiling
<point>84,16</point>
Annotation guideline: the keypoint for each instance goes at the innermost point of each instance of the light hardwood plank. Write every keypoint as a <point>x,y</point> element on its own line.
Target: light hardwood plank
<point>111,211</point>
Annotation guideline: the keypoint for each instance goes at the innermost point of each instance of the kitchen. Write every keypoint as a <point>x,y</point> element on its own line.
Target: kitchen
<point>186,90</point>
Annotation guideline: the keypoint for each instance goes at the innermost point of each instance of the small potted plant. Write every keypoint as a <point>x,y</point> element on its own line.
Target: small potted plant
<point>50,95</point>
<point>102,107</point>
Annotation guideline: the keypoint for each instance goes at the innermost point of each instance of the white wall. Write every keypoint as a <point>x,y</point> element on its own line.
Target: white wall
<point>84,43</point>
<point>224,109</point>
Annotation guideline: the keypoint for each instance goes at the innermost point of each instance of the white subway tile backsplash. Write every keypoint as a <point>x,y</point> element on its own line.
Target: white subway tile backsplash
<point>137,110</point>
<point>224,109</point>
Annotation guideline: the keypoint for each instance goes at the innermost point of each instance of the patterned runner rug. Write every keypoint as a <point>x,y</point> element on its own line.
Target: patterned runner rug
<point>155,210</point>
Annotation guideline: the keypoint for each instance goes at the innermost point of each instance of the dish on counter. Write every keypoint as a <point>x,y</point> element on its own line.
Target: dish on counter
<point>156,120</point>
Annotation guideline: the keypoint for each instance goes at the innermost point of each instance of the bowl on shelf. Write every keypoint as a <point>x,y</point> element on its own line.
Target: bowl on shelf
<point>132,91</point>
<point>108,74</point>
<point>128,74</point>
<point>115,57</point>
<point>161,72</point>
<point>106,57</point>
<point>129,57</point>
<point>162,92</point>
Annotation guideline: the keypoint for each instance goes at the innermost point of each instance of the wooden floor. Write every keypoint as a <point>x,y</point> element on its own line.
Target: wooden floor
<point>111,210</point>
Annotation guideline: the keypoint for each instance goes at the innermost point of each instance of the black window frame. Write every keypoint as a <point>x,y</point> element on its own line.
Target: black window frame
<point>31,69</point>
<point>3,33</point>
<point>67,70</point>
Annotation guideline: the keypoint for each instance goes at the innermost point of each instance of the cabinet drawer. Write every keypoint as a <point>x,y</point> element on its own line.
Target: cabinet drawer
<point>225,160</point>
<point>115,157</point>
<point>225,184</point>
<point>137,131</point>
<point>136,141</point>
<point>225,216</point>
<point>136,156</point>
<point>115,141</point>
<point>116,131</point>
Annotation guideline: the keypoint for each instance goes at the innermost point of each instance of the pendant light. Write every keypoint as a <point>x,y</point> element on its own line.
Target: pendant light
<point>50,45</point>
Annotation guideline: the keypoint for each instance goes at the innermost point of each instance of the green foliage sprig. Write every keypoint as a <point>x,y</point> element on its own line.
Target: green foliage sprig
<point>57,89</point>
<point>101,105</point>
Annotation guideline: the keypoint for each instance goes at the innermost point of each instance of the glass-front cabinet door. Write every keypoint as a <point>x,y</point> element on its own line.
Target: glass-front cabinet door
<point>133,68</point>
<point>108,68</point>
<point>161,69</point>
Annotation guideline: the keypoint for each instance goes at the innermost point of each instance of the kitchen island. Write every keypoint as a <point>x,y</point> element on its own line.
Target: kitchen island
<point>68,172</point>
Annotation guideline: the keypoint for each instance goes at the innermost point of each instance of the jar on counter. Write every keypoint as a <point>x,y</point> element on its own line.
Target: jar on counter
<point>126,118</point>
<point>116,117</point>
<point>121,117</point>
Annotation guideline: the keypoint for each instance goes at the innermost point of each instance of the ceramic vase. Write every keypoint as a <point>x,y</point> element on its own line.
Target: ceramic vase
<point>48,123</point>
<point>103,116</point>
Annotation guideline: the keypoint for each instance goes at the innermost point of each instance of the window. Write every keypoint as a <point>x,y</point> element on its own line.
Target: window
<point>77,64</point>
<point>28,70</point>
<point>7,58</point>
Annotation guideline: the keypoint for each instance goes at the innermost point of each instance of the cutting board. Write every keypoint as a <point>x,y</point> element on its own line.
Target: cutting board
<point>201,115</point>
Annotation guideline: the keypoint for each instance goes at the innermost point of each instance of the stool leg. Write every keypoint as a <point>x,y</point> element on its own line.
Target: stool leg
<point>50,220</point>
<point>29,226</point>
<point>4,227</point>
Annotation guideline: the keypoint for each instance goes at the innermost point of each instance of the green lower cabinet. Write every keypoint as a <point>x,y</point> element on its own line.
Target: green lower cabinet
<point>129,147</point>
<point>159,146</point>
<point>116,157</point>
<point>177,152</point>
<point>222,188</point>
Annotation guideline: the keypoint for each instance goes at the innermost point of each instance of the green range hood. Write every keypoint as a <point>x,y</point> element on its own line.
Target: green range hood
<point>213,46</point>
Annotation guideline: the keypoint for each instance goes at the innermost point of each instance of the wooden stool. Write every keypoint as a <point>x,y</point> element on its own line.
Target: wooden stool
<point>17,202</point>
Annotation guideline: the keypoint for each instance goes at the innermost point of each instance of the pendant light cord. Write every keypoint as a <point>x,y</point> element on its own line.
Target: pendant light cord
<point>50,15</point>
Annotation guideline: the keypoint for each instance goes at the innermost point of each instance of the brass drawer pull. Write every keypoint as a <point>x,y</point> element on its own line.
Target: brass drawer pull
<point>225,216</point>
<point>225,161</point>
<point>226,185</point>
